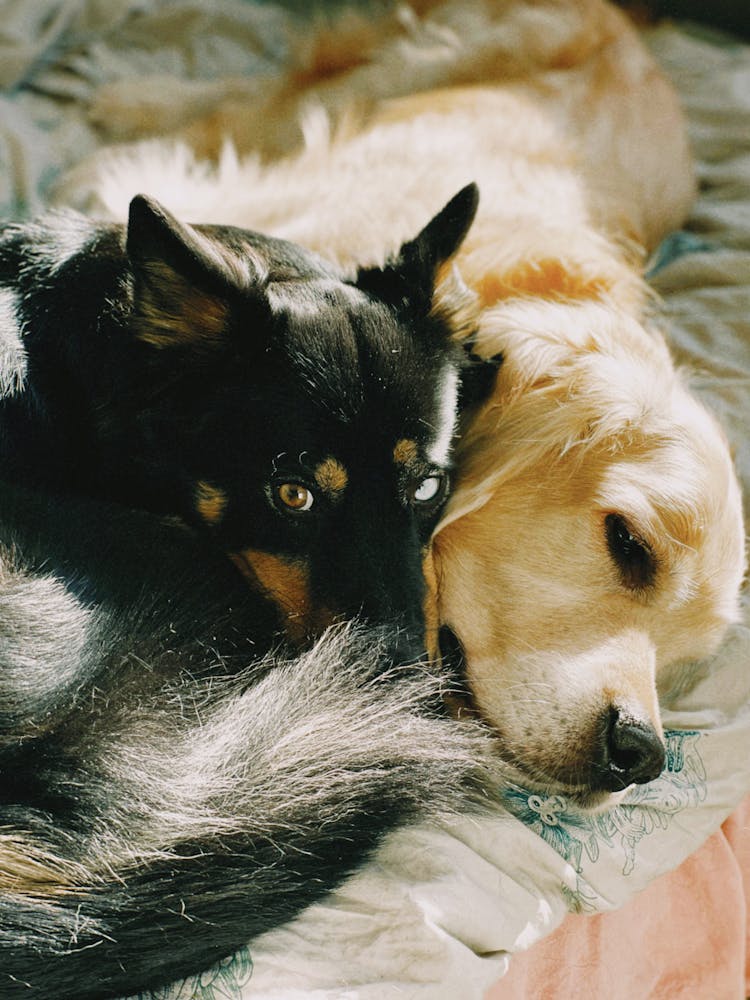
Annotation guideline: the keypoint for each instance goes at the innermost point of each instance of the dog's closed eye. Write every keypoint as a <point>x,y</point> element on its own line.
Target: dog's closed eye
<point>632,556</point>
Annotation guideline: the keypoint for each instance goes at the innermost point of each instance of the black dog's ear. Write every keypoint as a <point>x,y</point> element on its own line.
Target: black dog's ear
<point>409,278</point>
<point>182,279</point>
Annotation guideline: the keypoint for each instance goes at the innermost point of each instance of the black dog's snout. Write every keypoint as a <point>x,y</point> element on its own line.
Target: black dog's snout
<point>631,752</point>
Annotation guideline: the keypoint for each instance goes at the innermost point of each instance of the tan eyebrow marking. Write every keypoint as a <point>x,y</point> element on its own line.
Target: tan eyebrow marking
<point>405,451</point>
<point>331,476</point>
<point>210,501</point>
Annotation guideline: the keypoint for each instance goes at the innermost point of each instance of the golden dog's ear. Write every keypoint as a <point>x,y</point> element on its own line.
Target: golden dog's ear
<point>183,281</point>
<point>408,279</point>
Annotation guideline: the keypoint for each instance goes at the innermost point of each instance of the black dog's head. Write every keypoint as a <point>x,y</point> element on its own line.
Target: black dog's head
<point>308,418</point>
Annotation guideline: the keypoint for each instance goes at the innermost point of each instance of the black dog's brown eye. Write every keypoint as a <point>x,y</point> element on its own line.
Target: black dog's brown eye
<point>632,555</point>
<point>295,496</point>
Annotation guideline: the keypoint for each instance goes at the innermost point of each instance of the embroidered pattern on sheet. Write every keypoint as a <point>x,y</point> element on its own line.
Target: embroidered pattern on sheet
<point>223,981</point>
<point>579,837</point>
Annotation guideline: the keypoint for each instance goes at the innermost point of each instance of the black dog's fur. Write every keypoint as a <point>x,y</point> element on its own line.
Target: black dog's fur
<point>171,782</point>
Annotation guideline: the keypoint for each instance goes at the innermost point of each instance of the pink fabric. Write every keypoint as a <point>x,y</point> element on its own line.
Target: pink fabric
<point>683,938</point>
<point>737,831</point>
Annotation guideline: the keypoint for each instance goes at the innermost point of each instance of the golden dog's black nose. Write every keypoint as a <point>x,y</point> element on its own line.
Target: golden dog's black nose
<point>631,752</point>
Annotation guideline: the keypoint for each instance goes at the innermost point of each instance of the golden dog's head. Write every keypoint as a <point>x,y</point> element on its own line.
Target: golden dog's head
<point>595,540</point>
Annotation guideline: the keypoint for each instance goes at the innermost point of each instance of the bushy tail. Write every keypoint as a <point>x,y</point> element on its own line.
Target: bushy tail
<point>237,803</point>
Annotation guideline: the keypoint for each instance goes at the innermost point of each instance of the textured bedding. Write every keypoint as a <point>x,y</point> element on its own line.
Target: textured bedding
<point>440,912</point>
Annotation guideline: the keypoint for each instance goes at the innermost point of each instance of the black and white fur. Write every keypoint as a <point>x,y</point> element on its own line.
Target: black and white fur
<point>167,791</point>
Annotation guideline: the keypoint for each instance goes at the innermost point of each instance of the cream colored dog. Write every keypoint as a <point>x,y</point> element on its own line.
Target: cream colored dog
<point>594,541</point>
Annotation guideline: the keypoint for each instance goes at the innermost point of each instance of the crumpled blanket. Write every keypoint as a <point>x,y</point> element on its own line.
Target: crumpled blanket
<point>54,54</point>
<point>683,938</point>
<point>440,911</point>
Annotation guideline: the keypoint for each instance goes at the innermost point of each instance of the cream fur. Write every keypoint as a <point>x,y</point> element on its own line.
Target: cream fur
<point>580,154</point>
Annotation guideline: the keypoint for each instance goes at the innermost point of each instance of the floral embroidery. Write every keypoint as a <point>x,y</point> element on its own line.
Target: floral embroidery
<point>223,981</point>
<point>575,834</point>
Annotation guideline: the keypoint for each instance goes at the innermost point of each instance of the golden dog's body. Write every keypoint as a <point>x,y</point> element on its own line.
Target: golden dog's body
<point>579,60</point>
<point>594,539</point>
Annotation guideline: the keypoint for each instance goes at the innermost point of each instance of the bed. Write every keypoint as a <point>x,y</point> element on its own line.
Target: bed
<point>648,899</point>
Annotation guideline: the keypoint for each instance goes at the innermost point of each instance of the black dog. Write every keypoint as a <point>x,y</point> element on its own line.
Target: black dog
<point>170,783</point>
<point>302,420</point>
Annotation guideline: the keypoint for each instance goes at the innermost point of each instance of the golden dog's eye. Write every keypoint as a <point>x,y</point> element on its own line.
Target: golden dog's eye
<point>295,496</point>
<point>632,556</point>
